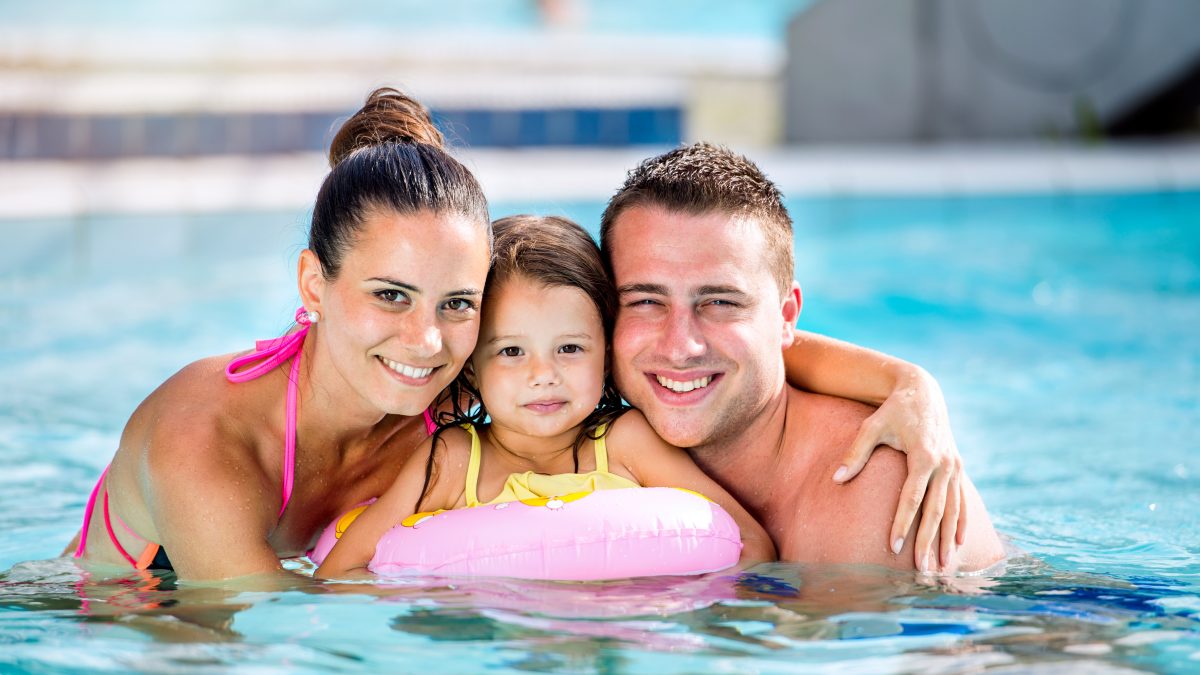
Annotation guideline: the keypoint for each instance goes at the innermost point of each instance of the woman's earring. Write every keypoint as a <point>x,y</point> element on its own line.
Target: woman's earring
<point>313,316</point>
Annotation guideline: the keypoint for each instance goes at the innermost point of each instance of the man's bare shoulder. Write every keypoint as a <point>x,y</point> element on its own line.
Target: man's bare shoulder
<point>851,522</point>
<point>831,522</point>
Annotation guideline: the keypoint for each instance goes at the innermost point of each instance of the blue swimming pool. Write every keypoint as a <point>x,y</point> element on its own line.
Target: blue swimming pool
<point>1062,327</point>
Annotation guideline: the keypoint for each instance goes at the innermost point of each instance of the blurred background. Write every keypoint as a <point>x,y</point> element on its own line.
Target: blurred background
<point>148,107</point>
<point>1006,192</point>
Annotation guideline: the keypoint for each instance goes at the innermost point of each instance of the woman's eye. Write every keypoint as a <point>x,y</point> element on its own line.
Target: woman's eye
<point>391,295</point>
<point>510,351</point>
<point>459,305</point>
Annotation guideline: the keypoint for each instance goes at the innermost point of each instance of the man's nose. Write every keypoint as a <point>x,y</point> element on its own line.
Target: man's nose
<point>681,340</point>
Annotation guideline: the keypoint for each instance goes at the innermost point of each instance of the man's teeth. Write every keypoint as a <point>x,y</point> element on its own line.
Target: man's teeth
<point>405,370</point>
<point>682,387</point>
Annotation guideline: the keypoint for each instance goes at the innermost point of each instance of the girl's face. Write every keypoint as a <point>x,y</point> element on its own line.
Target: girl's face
<point>402,316</point>
<point>539,364</point>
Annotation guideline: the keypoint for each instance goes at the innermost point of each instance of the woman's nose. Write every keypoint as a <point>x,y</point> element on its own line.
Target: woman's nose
<point>422,337</point>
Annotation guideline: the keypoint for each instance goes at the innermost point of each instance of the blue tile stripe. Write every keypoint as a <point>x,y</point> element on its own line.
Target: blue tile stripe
<point>105,136</point>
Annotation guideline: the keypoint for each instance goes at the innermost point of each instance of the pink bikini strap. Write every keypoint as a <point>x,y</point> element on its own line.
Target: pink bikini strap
<point>267,355</point>
<point>112,536</point>
<point>87,515</point>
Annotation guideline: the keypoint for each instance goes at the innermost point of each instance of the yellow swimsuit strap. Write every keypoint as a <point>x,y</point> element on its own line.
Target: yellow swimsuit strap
<point>472,484</point>
<point>601,450</point>
<point>473,468</point>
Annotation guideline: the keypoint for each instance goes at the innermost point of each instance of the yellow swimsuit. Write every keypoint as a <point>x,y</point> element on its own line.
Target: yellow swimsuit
<point>531,485</point>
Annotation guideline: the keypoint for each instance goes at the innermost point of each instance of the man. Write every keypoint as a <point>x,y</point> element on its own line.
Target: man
<point>700,248</point>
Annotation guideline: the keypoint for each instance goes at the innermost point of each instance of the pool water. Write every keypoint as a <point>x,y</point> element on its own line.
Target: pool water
<point>1062,328</point>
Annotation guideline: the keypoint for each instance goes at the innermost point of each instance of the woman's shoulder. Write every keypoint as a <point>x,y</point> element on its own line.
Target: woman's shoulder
<point>194,409</point>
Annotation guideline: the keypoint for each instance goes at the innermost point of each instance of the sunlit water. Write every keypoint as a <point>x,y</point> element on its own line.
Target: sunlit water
<point>1063,330</point>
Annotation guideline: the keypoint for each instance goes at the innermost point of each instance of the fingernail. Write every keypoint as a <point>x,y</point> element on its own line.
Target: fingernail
<point>897,545</point>
<point>925,563</point>
<point>840,473</point>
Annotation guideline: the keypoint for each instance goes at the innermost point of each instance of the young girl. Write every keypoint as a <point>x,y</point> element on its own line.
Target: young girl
<point>540,371</point>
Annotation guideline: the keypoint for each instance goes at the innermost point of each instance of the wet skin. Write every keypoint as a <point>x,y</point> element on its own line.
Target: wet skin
<point>698,349</point>
<point>198,469</point>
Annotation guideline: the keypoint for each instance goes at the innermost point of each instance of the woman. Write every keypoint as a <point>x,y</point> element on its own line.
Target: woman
<point>231,465</point>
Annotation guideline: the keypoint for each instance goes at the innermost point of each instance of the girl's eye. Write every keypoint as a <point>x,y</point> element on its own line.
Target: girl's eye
<point>391,295</point>
<point>459,305</point>
<point>570,349</point>
<point>510,351</point>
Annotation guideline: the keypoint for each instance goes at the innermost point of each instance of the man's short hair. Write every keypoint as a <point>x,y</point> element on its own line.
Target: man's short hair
<point>702,178</point>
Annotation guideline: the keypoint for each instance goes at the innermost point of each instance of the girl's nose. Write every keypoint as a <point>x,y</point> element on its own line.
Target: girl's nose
<point>542,372</point>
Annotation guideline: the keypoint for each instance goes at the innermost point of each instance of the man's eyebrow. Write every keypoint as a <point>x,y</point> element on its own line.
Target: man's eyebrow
<point>720,290</point>
<point>656,289</point>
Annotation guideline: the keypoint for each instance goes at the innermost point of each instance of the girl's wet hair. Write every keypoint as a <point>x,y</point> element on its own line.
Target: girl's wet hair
<point>387,157</point>
<point>551,251</point>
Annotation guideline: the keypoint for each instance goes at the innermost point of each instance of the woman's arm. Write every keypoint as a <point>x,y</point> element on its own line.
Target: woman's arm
<point>350,555</point>
<point>655,463</point>
<point>209,505</point>
<point>912,418</point>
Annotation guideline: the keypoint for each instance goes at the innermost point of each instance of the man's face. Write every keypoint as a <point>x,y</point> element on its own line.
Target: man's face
<point>701,326</point>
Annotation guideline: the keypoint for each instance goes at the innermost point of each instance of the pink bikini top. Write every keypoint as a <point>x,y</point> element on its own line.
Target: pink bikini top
<point>266,356</point>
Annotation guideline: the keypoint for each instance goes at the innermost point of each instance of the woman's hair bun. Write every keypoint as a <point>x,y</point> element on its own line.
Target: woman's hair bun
<point>388,116</point>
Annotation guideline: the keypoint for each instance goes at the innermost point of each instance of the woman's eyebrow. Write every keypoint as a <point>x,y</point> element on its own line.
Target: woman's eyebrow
<point>414,289</point>
<point>396,283</point>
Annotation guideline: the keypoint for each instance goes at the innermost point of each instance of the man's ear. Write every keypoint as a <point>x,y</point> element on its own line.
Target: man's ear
<point>790,309</point>
<point>311,281</point>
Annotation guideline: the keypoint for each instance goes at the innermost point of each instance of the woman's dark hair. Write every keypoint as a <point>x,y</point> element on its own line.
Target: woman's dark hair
<point>551,251</point>
<point>388,156</point>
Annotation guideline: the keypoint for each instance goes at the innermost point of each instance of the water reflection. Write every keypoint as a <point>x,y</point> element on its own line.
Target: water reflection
<point>764,618</point>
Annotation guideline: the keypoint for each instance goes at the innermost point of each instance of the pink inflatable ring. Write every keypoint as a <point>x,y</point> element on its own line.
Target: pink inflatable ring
<point>610,534</point>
